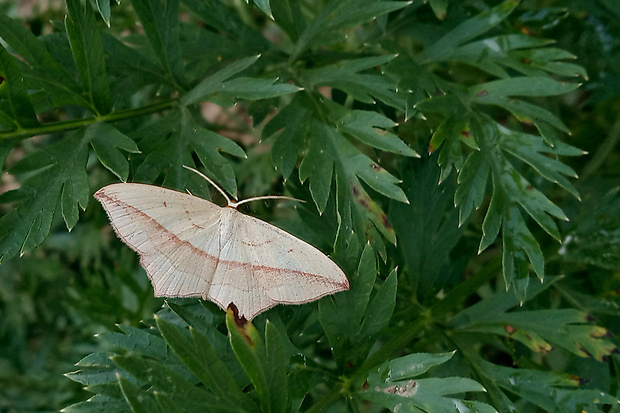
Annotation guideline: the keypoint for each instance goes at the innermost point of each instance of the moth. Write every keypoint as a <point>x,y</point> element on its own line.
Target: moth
<point>191,247</point>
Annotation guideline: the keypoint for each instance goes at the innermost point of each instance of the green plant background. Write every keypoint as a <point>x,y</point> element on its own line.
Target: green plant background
<point>437,145</point>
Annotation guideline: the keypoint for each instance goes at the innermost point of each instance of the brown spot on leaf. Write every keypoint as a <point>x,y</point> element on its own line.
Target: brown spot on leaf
<point>482,93</point>
<point>584,351</point>
<point>240,322</point>
<point>509,329</point>
<point>407,389</point>
<point>466,133</point>
<point>385,221</point>
<point>376,167</point>
<point>365,385</point>
<point>526,60</point>
<point>349,365</point>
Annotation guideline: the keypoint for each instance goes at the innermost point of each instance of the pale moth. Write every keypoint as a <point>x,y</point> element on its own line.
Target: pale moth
<point>191,247</point>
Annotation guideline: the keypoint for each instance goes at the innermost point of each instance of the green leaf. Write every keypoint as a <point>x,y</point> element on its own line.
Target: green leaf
<point>449,135</point>
<point>103,7</point>
<point>209,147</point>
<point>200,357</point>
<point>337,14</point>
<point>139,400</point>
<point>362,87</point>
<point>263,5</point>
<point>16,111</point>
<point>131,62</point>
<point>160,22</point>
<point>136,340</point>
<point>427,229</point>
<point>439,8</point>
<point>353,320</point>
<point>170,143</point>
<point>107,141</point>
<point>472,183</point>
<point>298,123</point>
<point>538,155</point>
<point>165,380</point>
<point>565,328</point>
<point>94,369</point>
<point>370,128</point>
<point>392,386</point>
<point>214,83</point>
<point>255,89</point>
<point>264,361</point>
<point>98,403</point>
<point>519,86</point>
<point>59,181</point>
<point>88,53</point>
<point>318,165</point>
<point>466,31</point>
<point>550,391</point>
<point>43,70</point>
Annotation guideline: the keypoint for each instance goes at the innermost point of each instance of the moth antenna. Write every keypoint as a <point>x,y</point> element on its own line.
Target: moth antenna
<point>230,203</point>
<point>258,198</point>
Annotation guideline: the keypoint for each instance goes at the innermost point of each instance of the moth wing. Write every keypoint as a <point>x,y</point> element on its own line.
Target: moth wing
<point>261,266</point>
<point>177,235</point>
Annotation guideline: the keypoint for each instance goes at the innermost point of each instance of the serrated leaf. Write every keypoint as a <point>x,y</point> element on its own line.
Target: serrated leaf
<point>209,146</point>
<point>165,380</point>
<point>519,86</point>
<point>370,128</point>
<point>59,182</point>
<point>331,18</point>
<point>160,22</point>
<point>107,141</point>
<point>535,152</point>
<point>200,357</point>
<point>88,53</point>
<point>136,340</point>
<point>380,308</point>
<point>550,391</point>
<point>139,400</point>
<point>467,30</point>
<point>448,136</point>
<point>297,121</point>
<point>98,403</point>
<point>566,328</point>
<point>264,361</point>
<point>472,182</point>
<point>426,228</point>
<point>361,86</point>
<point>214,82</point>
<point>132,62</point>
<point>343,315</point>
<point>224,19</point>
<point>424,395</point>
<point>255,89</point>
<point>16,111</point>
<point>318,165</point>
<point>44,71</point>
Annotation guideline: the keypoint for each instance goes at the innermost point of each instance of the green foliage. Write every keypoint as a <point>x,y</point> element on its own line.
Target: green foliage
<point>344,96</point>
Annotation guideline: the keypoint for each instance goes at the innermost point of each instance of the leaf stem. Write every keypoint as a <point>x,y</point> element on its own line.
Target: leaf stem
<point>67,125</point>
